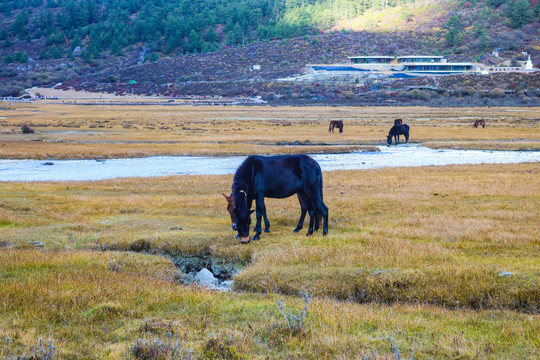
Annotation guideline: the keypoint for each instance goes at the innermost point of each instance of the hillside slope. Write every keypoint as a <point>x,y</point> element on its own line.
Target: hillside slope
<point>459,30</point>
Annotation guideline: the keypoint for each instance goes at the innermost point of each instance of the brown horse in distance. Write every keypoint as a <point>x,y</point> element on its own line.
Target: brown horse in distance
<point>398,122</point>
<point>336,124</point>
<point>479,122</point>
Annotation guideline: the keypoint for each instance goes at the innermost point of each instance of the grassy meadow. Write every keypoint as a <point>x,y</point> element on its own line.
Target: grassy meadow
<point>111,131</point>
<point>440,261</point>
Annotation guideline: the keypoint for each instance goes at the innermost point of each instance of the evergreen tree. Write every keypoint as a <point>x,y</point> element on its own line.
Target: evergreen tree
<point>238,34</point>
<point>95,51</point>
<point>86,55</point>
<point>20,56</point>
<point>454,34</point>
<point>520,13</point>
<point>8,59</point>
<point>55,52</point>
<point>211,36</point>
<point>116,50</point>
<point>76,42</point>
<point>19,25</point>
<point>195,42</point>
<point>154,57</point>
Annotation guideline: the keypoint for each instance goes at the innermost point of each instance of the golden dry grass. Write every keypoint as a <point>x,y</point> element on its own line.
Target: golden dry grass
<point>77,131</point>
<point>95,312</point>
<point>391,239</point>
<point>414,254</point>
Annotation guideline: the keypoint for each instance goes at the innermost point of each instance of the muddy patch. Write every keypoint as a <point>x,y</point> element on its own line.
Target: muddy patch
<point>210,271</point>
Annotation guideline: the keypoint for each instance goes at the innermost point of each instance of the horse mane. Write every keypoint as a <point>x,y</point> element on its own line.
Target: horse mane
<point>242,176</point>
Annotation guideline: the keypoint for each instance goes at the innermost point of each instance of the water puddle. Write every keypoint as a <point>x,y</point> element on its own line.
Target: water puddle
<point>409,155</point>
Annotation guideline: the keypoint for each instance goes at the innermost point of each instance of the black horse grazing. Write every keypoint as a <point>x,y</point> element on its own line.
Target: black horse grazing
<point>277,177</point>
<point>336,124</point>
<point>397,130</point>
<point>479,122</point>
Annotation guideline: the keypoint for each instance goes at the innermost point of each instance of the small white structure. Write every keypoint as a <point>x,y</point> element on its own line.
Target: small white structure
<point>529,65</point>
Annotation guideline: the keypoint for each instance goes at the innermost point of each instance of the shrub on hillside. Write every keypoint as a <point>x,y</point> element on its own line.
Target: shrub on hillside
<point>295,96</point>
<point>269,96</point>
<point>347,95</point>
<point>11,90</point>
<point>465,90</point>
<point>461,50</point>
<point>417,94</point>
<point>496,93</point>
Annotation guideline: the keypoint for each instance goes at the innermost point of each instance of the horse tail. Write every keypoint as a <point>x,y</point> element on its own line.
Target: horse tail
<point>330,127</point>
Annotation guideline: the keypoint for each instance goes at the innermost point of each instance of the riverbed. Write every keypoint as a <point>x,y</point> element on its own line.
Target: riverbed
<point>409,155</point>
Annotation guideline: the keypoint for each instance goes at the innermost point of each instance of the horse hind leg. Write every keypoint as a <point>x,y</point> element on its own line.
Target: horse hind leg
<point>321,212</point>
<point>308,202</point>
<point>303,212</point>
<point>311,213</point>
<point>317,209</point>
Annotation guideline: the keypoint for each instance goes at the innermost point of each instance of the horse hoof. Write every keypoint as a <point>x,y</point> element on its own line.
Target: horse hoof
<point>325,233</point>
<point>266,230</point>
<point>309,234</point>
<point>296,230</point>
<point>255,238</point>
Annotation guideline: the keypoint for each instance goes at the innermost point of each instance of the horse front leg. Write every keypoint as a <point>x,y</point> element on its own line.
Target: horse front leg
<point>260,212</point>
<point>266,223</point>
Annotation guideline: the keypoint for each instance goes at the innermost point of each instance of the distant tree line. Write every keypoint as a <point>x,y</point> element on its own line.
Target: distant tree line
<point>86,28</point>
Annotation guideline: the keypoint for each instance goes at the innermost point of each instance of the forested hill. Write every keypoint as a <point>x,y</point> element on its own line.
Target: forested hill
<point>169,27</point>
<point>210,46</point>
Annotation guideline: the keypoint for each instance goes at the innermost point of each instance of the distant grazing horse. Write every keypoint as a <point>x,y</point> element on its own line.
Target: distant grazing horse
<point>277,177</point>
<point>397,130</point>
<point>398,122</point>
<point>479,122</point>
<point>336,124</point>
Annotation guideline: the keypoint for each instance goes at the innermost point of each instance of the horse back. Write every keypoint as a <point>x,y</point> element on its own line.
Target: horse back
<point>284,175</point>
<point>399,129</point>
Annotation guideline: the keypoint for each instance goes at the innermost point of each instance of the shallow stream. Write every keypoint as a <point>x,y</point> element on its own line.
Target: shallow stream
<point>409,155</point>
